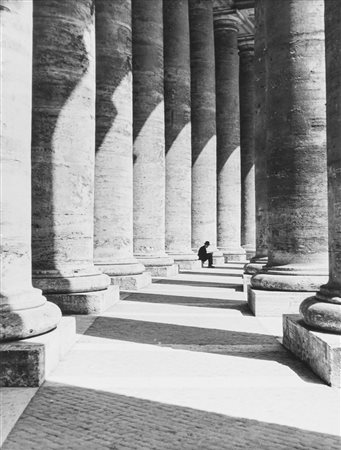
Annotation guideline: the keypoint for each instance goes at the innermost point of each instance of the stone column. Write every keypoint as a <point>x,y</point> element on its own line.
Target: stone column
<point>247,145</point>
<point>228,137</point>
<point>296,154</point>
<point>203,116</point>
<point>113,237</point>
<point>149,138</point>
<point>63,152</point>
<point>317,340</point>
<point>24,312</point>
<point>324,310</point>
<point>260,259</point>
<point>177,91</point>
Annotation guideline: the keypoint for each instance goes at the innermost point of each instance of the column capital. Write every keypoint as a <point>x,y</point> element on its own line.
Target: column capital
<point>226,19</point>
<point>246,44</point>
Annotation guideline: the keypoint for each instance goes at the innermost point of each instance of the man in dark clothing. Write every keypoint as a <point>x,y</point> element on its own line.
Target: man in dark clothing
<point>204,256</point>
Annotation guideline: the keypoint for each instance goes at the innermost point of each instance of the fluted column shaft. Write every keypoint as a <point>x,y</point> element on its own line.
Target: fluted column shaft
<point>261,195</point>
<point>228,138</point>
<point>177,91</point>
<point>247,145</point>
<point>24,312</point>
<point>296,154</point>
<point>204,159</point>
<point>63,151</point>
<point>149,135</point>
<point>324,310</point>
<point>113,236</point>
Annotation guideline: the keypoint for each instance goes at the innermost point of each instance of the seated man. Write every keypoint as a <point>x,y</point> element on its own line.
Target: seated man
<point>204,256</point>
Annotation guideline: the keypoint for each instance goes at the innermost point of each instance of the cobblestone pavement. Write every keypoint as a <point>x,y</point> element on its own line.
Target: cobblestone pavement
<point>191,371</point>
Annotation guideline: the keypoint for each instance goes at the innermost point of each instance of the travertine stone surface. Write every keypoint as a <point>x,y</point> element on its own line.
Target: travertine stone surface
<point>113,233</point>
<point>296,153</point>
<point>203,115</point>
<point>261,195</point>
<point>149,135</point>
<point>24,311</point>
<point>247,145</point>
<point>63,148</point>
<point>177,92</point>
<point>228,137</point>
<point>321,351</point>
<point>324,311</point>
<point>26,363</point>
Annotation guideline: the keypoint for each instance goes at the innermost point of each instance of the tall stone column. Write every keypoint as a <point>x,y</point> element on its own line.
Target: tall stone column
<point>324,310</point>
<point>149,138</point>
<point>113,234</point>
<point>24,312</point>
<point>228,137</point>
<point>203,115</point>
<point>177,91</point>
<point>317,340</point>
<point>63,152</point>
<point>247,145</point>
<point>260,259</point>
<point>296,154</point>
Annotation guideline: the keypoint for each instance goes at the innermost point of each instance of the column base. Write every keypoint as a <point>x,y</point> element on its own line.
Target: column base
<point>188,265</point>
<point>185,261</point>
<point>159,265</point>
<point>255,265</point>
<point>274,303</point>
<point>26,363</point>
<point>291,278</point>
<point>132,282</point>
<point>26,323</point>
<point>86,302</point>
<point>163,271</point>
<point>234,255</point>
<point>321,351</point>
<point>70,280</point>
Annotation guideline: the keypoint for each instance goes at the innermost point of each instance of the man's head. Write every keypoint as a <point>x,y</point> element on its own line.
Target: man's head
<point>207,243</point>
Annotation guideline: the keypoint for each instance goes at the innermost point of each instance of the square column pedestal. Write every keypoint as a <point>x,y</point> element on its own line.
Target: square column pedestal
<point>94,302</point>
<point>26,363</point>
<point>274,303</point>
<point>132,282</point>
<point>321,351</point>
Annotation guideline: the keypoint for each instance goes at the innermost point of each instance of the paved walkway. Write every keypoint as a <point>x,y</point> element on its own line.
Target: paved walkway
<point>180,365</point>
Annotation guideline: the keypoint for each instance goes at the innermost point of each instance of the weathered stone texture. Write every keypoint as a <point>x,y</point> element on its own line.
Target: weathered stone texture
<point>63,148</point>
<point>24,311</point>
<point>260,117</point>
<point>324,311</point>
<point>204,158</point>
<point>228,138</point>
<point>113,230</point>
<point>321,351</point>
<point>247,146</point>
<point>149,134</point>
<point>296,153</point>
<point>177,91</point>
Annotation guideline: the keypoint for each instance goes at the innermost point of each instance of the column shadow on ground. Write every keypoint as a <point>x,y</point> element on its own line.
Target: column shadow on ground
<point>197,339</point>
<point>235,286</point>
<point>237,305</point>
<point>70,417</point>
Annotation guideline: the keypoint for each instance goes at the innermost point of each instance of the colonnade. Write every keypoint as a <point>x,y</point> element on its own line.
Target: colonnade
<point>118,155</point>
<point>130,133</point>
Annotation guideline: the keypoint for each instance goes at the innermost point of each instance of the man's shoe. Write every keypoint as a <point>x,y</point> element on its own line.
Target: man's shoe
<point>211,267</point>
